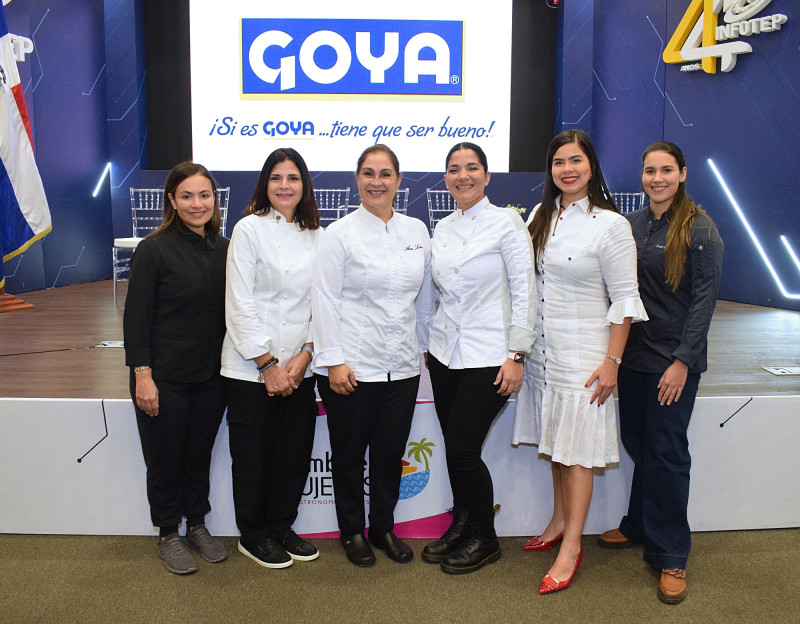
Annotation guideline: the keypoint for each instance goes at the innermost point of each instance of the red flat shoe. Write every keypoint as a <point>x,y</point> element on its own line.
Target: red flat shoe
<point>538,545</point>
<point>550,585</point>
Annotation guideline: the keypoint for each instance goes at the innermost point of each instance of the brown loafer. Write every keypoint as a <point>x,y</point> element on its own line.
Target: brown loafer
<point>613,538</point>
<point>672,586</point>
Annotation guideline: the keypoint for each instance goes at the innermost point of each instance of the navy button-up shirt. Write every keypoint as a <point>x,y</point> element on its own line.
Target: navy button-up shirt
<point>679,320</point>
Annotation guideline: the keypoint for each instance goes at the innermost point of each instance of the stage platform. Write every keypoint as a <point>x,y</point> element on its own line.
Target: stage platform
<point>70,460</point>
<point>48,352</point>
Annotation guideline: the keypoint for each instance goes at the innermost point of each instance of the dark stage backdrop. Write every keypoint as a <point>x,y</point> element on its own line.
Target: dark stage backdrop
<point>86,86</point>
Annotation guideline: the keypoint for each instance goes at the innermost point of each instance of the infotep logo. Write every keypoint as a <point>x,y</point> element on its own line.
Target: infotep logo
<point>698,35</point>
<point>351,57</point>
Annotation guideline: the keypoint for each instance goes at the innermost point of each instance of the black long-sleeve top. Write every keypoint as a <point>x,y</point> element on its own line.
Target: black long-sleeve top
<point>174,317</point>
<point>679,320</point>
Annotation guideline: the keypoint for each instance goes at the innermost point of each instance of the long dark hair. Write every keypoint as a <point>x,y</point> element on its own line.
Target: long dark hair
<point>306,214</point>
<point>599,195</point>
<point>681,218</point>
<point>466,145</point>
<point>179,173</point>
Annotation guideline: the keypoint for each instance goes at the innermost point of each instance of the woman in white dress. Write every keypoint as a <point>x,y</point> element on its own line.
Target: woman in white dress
<point>587,295</point>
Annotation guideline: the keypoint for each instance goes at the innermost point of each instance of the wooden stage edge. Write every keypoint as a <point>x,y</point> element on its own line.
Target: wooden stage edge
<point>50,351</point>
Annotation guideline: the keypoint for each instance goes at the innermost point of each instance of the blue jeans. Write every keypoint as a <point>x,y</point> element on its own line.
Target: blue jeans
<point>655,437</point>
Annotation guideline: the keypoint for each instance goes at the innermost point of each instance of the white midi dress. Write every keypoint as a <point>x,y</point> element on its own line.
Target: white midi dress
<point>586,281</point>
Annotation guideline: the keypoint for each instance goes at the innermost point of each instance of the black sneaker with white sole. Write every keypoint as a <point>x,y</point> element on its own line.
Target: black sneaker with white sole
<point>266,552</point>
<point>296,546</point>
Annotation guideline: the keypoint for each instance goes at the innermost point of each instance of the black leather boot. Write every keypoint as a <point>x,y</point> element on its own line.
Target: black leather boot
<point>472,555</point>
<point>456,535</point>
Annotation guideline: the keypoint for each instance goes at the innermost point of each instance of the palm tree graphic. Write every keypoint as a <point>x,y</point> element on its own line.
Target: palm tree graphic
<point>420,451</point>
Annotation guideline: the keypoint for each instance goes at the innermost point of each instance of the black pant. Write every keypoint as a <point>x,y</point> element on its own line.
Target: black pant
<point>177,447</point>
<point>377,415</point>
<point>271,439</point>
<point>467,403</point>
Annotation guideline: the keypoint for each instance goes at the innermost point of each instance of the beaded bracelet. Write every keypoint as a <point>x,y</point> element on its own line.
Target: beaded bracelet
<point>270,362</point>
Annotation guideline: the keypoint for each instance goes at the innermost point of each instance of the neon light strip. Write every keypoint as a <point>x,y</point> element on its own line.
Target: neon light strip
<point>750,232</point>
<point>791,251</point>
<point>101,180</point>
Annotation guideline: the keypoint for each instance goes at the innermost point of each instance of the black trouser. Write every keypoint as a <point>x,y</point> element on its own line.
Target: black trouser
<point>467,403</point>
<point>177,448</point>
<point>377,415</point>
<point>271,439</point>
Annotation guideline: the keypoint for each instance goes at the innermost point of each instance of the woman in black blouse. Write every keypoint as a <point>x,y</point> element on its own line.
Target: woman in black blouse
<point>174,324</point>
<point>679,262</point>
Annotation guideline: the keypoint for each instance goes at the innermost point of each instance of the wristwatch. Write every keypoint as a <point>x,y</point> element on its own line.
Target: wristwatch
<point>517,357</point>
<point>616,360</point>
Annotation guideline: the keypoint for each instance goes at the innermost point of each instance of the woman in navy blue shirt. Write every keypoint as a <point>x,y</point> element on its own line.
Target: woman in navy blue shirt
<point>679,262</point>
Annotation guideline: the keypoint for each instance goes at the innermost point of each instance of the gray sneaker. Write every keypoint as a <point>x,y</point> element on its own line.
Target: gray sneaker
<point>209,547</point>
<point>175,556</point>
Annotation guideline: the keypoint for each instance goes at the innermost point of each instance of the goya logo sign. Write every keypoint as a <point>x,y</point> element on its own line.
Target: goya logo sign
<point>699,37</point>
<point>364,57</point>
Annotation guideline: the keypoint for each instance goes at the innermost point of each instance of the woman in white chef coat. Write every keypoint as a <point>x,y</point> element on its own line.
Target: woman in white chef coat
<point>480,335</point>
<point>588,295</point>
<point>370,325</point>
<point>266,355</point>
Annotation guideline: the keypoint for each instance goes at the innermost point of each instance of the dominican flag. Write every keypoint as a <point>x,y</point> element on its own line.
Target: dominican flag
<point>24,214</point>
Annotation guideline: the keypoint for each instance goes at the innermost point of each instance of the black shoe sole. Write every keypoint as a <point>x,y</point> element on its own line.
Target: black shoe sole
<point>616,545</point>
<point>672,600</point>
<point>362,564</point>
<point>429,558</point>
<point>451,569</point>
<point>433,558</point>
<point>396,559</point>
<point>390,556</point>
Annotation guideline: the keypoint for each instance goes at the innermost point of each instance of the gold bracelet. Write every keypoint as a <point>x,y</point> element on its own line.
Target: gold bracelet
<point>139,369</point>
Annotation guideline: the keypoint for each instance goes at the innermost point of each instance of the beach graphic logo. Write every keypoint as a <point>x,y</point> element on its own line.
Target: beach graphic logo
<point>414,480</point>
